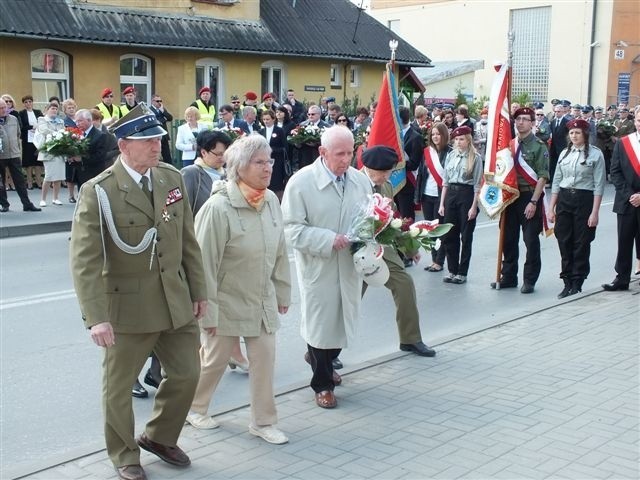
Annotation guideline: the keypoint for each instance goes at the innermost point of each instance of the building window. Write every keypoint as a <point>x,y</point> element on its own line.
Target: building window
<point>354,76</point>
<point>394,26</point>
<point>272,78</point>
<point>532,28</point>
<point>135,70</point>
<point>335,77</point>
<point>49,76</point>
<point>209,74</point>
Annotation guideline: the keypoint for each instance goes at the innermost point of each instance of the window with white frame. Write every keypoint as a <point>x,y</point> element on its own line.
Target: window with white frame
<point>335,76</point>
<point>49,76</point>
<point>273,78</point>
<point>135,71</point>
<point>354,76</point>
<point>532,29</point>
<point>209,74</point>
<point>394,26</point>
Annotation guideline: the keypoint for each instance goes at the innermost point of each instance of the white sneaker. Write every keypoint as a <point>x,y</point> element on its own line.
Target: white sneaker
<point>43,203</point>
<point>269,433</point>
<point>57,202</point>
<point>203,422</point>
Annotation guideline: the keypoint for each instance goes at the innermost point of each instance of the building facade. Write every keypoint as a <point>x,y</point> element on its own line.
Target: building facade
<point>585,51</point>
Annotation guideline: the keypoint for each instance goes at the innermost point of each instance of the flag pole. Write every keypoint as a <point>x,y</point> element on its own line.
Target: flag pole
<point>510,37</point>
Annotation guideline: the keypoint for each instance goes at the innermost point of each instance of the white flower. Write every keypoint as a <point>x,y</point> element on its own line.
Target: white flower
<point>396,223</point>
<point>437,245</point>
<point>414,232</point>
<point>48,138</point>
<point>57,135</point>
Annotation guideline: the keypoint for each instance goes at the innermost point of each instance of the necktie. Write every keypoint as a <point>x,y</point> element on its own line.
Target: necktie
<point>376,189</point>
<point>340,184</point>
<point>145,188</point>
<point>229,125</point>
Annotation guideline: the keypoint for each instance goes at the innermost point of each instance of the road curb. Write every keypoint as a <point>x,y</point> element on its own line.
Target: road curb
<point>34,229</point>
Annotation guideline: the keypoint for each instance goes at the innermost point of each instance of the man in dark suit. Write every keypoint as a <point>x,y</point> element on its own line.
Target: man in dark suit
<point>559,134</point>
<point>141,287</point>
<point>625,175</point>
<point>228,120</point>
<point>307,154</point>
<point>249,122</point>
<point>94,162</point>
<point>414,149</point>
<point>163,116</point>
<point>298,112</point>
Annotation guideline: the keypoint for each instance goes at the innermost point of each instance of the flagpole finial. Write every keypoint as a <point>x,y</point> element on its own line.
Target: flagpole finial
<point>393,45</point>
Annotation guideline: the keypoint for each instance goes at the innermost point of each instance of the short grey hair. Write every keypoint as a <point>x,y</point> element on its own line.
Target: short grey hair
<point>315,108</point>
<point>85,114</point>
<point>239,154</point>
<point>249,109</point>
<point>331,134</point>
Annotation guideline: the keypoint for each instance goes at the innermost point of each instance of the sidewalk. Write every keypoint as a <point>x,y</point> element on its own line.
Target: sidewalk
<point>549,395</point>
<point>52,219</point>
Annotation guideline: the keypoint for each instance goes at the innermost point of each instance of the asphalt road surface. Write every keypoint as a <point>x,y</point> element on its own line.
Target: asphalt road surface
<point>50,380</point>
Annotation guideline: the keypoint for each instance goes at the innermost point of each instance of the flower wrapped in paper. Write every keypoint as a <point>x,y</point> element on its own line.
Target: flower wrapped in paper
<point>69,142</point>
<point>233,133</point>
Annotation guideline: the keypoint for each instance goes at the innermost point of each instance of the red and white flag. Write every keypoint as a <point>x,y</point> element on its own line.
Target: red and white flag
<point>500,187</point>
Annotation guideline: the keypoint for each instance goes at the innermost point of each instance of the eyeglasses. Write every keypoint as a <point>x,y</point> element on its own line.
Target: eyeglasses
<point>539,114</point>
<point>158,100</point>
<point>219,155</point>
<point>343,120</point>
<point>236,102</point>
<point>263,163</point>
<point>312,114</point>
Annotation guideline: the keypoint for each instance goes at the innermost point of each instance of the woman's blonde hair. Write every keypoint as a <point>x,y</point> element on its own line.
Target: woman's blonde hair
<point>194,110</point>
<point>471,156</point>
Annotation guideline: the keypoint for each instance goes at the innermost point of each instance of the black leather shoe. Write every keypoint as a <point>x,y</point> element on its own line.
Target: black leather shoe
<point>337,364</point>
<point>4,209</point>
<point>31,208</point>
<point>419,348</point>
<point>139,391</point>
<point>527,288</point>
<point>494,285</point>
<point>615,286</point>
<point>173,455</point>
<point>149,380</point>
<point>566,291</point>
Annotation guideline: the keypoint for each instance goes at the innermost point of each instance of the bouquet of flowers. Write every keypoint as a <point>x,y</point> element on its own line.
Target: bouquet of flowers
<point>375,222</point>
<point>305,135</point>
<point>69,142</point>
<point>360,137</point>
<point>233,133</point>
<point>425,130</point>
<point>605,129</point>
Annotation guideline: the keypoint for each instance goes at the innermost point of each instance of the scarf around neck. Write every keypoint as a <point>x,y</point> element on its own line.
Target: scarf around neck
<point>253,196</point>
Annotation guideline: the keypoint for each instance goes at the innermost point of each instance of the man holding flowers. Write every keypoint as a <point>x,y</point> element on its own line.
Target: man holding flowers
<point>378,162</point>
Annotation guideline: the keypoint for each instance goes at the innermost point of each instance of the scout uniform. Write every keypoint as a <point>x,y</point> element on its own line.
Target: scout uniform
<point>136,264</point>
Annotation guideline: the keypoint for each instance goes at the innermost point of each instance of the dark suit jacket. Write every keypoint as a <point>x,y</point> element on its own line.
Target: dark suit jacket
<point>414,148</point>
<point>558,136</point>
<point>624,178</point>
<point>24,122</point>
<point>237,123</point>
<point>245,126</point>
<point>95,161</point>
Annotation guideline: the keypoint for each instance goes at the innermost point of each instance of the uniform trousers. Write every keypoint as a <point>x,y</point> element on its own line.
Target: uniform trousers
<point>322,366</point>
<point>15,169</point>
<point>430,206</point>
<point>178,352</point>
<point>405,201</point>
<point>628,231</point>
<point>458,240</point>
<point>404,296</point>
<point>572,232</point>
<point>531,228</point>
<point>214,358</point>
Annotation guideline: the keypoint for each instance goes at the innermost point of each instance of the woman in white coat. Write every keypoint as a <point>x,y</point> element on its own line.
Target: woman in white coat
<point>317,206</point>
<point>186,136</point>
<point>54,166</point>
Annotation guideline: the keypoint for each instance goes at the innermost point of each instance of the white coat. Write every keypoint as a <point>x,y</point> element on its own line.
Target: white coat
<point>314,211</point>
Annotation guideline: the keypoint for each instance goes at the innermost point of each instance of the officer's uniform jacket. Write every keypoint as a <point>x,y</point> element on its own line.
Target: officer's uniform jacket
<point>121,288</point>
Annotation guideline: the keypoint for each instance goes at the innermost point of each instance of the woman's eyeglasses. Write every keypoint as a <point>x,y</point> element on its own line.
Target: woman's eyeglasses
<point>343,120</point>
<point>263,163</point>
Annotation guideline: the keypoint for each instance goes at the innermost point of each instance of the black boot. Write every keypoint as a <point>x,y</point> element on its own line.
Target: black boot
<point>566,290</point>
<point>576,286</point>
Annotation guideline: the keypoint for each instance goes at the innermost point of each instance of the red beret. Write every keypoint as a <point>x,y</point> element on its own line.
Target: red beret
<point>463,130</point>
<point>203,90</point>
<point>128,90</point>
<point>578,123</point>
<point>251,96</point>
<point>106,92</point>
<point>525,111</point>
<point>265,96</point>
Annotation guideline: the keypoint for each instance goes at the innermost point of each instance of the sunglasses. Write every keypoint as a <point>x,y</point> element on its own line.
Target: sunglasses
<point>236,102</point>
<point>539,114</point>
<point>342,120</point>
<point>158,100</point>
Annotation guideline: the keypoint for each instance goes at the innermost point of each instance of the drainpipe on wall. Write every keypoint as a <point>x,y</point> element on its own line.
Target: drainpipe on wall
<point>593,35</point>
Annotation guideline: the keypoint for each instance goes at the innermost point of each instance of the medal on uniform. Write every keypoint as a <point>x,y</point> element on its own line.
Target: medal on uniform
<point>165,215</point>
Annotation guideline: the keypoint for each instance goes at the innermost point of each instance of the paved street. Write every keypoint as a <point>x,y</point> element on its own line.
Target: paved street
<point>51,371</point>
<point>550,395</point>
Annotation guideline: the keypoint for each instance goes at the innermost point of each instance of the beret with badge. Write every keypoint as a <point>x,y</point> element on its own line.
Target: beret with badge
<point>204,90</point>
<point>106,92</point>
<point>578,123</point>
<point>463,130</point>
<point>128,90</point>
<point>525,111</point>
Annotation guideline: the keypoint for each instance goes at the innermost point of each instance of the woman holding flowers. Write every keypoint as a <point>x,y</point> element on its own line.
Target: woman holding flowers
<point>459,203</point>
<point>54,165</point>
<point>240,231</point>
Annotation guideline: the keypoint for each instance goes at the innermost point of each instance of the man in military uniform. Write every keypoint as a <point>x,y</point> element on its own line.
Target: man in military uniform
<point>139,279</point>
<point>378,163</point>
<point>532,164</point>
<point>625,123</point>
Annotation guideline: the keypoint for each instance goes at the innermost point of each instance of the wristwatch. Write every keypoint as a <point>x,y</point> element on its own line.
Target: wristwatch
<point>534,202</point>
